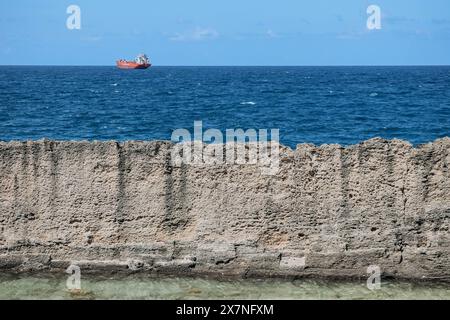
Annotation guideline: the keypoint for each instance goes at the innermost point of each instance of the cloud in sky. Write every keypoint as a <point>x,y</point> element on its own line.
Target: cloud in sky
<point>440,21</point>
<point>271,34</point>
<point>92,38</point>
<point>197,34</point>
<point>400,20</point>
<point>350,35</point>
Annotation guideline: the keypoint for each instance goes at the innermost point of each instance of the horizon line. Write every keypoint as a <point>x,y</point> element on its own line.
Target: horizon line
<point>237,65</point>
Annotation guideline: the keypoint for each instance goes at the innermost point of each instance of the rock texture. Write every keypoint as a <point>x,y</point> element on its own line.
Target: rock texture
<point>330,211</point>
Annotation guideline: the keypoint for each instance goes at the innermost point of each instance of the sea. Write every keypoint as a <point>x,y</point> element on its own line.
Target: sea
<point>319,105</point>
<point>54,286</point>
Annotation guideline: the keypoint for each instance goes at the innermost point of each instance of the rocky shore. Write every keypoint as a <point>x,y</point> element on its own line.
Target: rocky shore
<point>330,211</point>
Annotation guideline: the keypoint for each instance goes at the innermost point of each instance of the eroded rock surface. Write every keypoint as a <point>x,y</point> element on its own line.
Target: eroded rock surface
<point>330,210</point>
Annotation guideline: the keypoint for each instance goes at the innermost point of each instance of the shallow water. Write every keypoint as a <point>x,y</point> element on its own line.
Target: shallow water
<point>138,287</point>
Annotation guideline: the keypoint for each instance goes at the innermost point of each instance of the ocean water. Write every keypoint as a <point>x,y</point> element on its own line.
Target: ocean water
<point>307,104</point>
<point>53,286</point>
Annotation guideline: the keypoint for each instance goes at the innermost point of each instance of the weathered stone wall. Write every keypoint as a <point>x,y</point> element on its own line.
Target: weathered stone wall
<point>330,211</point>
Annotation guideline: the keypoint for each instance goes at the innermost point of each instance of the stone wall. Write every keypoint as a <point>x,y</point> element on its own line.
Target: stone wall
<point>330,211</point>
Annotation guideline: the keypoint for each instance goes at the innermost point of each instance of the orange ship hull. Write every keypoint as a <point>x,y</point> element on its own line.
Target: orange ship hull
<point>122,64</point>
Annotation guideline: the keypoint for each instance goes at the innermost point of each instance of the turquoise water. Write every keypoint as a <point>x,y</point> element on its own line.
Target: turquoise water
<point>139,287</point>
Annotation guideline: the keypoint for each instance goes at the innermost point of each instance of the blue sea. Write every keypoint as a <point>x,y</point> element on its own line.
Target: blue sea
<point>307,104</point>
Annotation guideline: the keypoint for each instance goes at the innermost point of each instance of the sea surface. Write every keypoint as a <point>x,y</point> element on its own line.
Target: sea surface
<point>307,104</point>
<point>53,286</point>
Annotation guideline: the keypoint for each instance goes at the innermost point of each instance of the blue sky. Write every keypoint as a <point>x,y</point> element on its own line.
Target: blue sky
<point>231,32</point>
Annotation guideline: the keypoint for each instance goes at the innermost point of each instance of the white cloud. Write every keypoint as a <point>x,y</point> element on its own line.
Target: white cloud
<point>271,34</point>
<point>351,35</point>
<point>91,38</point>
<point>198,34</point>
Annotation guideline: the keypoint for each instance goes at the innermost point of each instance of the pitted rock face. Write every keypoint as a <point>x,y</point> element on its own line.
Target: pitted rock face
<point>329,210</point>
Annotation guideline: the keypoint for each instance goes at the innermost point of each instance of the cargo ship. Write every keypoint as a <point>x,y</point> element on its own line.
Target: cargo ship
<point>141,62</point>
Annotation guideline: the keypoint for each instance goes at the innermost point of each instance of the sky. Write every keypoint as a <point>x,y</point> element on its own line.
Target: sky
<point>225,32</point>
